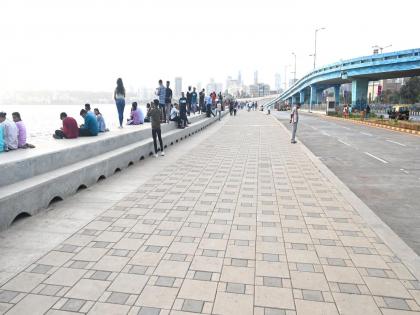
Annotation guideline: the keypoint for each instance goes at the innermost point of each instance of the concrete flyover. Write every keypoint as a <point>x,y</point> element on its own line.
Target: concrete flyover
<point>31,181</point>
<point>358,72</point>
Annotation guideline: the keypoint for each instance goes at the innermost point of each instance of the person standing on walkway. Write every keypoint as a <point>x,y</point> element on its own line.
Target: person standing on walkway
<point>201,104</point>
<point>194,100</point>
<point>189,99</point>
<point>219,110</point>
<point>294,118</point>
<point>161,94</point>
<point>155,115</point>
<point>168,101</point>
<point>183,103</point>
<point>119,97</point>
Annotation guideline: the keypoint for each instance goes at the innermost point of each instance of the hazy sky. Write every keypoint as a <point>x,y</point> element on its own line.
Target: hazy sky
<point>87,44</point>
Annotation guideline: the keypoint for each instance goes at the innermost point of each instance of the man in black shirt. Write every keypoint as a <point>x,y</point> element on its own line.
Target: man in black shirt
<point>201,101</point>
<point>168,101</point>
<point>189,98</point>
<point>183,110</point>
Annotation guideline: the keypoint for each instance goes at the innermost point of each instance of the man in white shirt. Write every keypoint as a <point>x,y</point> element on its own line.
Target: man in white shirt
<point>174,115</point>
<point>294,119</point>
<point>11,133</point>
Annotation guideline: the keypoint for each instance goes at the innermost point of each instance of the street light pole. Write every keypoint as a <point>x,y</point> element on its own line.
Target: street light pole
<point>380,48</point>
<point>294,73</point>
<point>316,32</point>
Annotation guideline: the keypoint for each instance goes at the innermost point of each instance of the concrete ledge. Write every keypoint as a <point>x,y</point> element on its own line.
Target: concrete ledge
<point>19,165</point>
<point>31,195</point>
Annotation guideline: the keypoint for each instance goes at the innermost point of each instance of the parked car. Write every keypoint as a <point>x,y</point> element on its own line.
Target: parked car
<point>399,112</point>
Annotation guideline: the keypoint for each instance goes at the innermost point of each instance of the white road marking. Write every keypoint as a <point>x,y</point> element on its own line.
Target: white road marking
<point>345,143</point>
<point>366,133</point>
<point>326,134</point>
<point>403,145</point>
<point>345,127</point>
<point>375,157</point>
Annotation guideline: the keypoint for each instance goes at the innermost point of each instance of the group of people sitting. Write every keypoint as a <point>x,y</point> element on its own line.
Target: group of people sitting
<point>12,133</point>
<point>94,123</point>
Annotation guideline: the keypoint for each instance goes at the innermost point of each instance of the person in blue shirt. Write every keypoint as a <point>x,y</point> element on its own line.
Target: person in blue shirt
<point>90,127</point>
<point>1,138</point>
<point>101,121</point>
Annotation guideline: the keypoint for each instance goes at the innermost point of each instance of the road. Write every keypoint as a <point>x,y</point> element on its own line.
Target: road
<point>380,166</point>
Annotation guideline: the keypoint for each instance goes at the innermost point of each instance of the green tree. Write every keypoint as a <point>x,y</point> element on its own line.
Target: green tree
<point>410,91</point>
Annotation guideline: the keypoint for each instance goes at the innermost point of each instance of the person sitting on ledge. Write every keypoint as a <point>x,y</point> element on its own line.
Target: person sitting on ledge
<point>136,115</point>
<point>22,144</point>
<point>101,121</point>
<point>174,115</point>
<point>90,127</point>
<point>10,131</point>
<point>147,119</point>
<point>70,130</point>
<point>1,138</point>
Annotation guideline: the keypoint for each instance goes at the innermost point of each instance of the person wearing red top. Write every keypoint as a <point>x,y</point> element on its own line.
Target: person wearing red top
<point>70,130</point>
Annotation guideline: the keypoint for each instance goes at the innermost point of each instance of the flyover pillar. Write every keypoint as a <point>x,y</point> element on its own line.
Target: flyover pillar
<point>293,100</point>
<point>313,97</point>
<point>302,97</point>
<point>359,91</point>
<point>337,94</point>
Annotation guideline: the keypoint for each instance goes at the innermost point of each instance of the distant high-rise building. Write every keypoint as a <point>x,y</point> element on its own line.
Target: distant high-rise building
<point>277,82</point>
<point>256,77</point>
<point>178,87</point>
<point>239,78</point>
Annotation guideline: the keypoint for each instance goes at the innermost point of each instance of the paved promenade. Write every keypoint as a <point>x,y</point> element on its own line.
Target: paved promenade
<point>243,223</point>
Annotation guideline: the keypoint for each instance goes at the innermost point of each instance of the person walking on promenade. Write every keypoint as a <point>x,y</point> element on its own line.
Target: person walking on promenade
<point>10,131</point>
<point>101,121</point>
<point>168,100</point>
<point>294,119</point>
<point>22,144</point>
<point>209,104</point>
<point>119,97</point>
<point>213,96</point>
<point>183,103</point>
<point>69,129</point>
<point>155,115</point>
<point>90,127</point>
<point>189,99</point>
<point>219,110</point>
<point>201,104</point>
<point>161,94</point>
<point>194,100</point>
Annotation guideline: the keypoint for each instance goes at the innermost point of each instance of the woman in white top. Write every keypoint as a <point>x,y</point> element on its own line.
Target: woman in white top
<point>119,97</point>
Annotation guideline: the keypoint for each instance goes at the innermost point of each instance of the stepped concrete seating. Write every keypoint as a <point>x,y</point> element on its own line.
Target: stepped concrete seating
<point>32,180</point>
